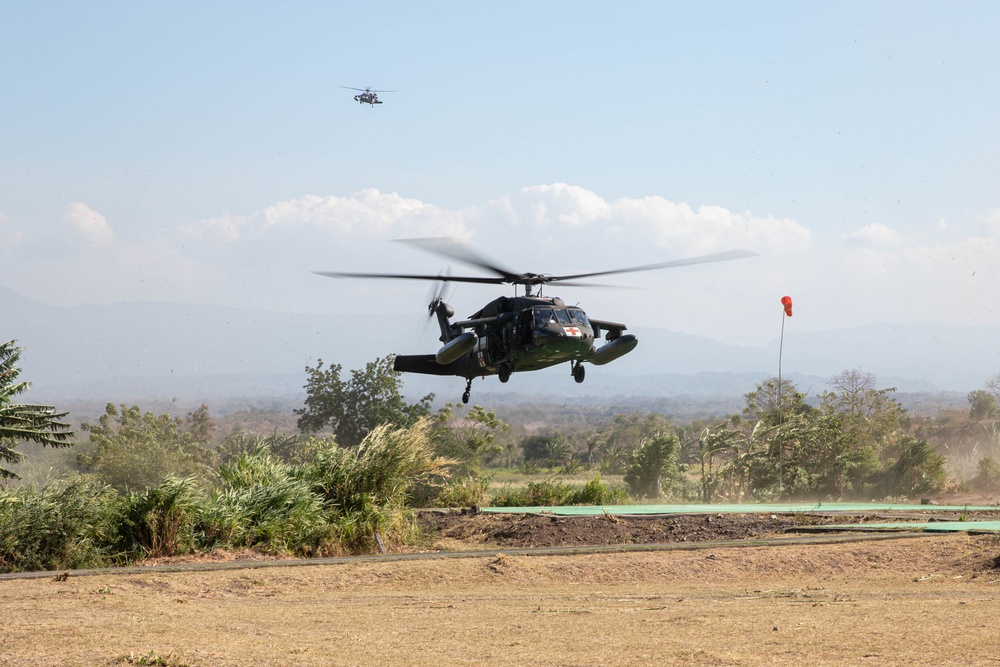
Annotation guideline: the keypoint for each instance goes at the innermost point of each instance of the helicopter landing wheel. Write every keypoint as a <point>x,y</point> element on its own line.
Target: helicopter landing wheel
<point>579,372</point>
<point>468,392</point>
<point>503,372</point>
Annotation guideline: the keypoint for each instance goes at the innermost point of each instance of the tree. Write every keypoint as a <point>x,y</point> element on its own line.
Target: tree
<point>868,415</point>
<point>549,448</point>
<point>771,402</point>
<point>469,439</point>
<point>982,405</point>
<point>200,425</point>
<point>353,408</point>
<point>987,479</point>
<point>919,469</point>
<point>654,466</point>
<point>40,424</point>
<point>136,450</point>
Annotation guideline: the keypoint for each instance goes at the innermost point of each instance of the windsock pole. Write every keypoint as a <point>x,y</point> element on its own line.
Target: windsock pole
<point>786,302</point>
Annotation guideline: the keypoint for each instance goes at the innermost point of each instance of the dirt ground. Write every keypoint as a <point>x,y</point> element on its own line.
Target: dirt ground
<point>464,529</point>
<point>918,601</point>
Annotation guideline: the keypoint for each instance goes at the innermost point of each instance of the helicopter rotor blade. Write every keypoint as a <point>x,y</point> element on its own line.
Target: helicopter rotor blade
<point>703,259</point>
<point>435,296</point>
<point>406,276</point>
<point>437,290</point>
<point>570,283</point>
<point>368,90</point>
<point>453,249</point>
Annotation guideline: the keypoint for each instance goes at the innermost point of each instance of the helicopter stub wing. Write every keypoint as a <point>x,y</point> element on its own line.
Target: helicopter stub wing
<point>425,364</point>
<point>614,329</point>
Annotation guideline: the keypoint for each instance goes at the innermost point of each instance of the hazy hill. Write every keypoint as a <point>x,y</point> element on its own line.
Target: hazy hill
<point>132,351</point>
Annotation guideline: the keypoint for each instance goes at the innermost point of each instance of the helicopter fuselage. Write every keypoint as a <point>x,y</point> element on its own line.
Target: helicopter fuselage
<point>518,334</point>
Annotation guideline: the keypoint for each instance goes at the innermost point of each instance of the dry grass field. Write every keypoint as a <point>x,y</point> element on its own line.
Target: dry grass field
<point>920,601</point>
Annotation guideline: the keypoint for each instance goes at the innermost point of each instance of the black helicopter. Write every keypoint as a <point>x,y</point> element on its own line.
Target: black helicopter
<point>519,333</point>
<point>367,95</point>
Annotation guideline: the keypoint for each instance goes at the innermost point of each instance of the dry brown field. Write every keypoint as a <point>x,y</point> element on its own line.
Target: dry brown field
<point>920,601</point>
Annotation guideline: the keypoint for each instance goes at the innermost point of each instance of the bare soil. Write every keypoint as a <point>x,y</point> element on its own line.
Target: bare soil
<point>468,528</point>
<point>918,601</point>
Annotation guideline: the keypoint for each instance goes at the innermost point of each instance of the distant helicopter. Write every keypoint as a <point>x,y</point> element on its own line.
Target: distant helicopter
<point>367,95</point>
<point>520,333</point>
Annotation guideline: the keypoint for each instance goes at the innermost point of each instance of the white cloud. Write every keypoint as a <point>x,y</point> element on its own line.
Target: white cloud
<point>875,235</point>
<point>91,224</point>
<point>564,204</point>
<point>654,221</point>
<point>366,214</point>
<point>548,216</point>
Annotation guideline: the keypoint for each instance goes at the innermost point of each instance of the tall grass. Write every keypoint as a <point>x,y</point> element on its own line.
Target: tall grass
<point>465,492</point>
<point>334,503</point>
<point>552,492</point>
<point>65,525</point>
<point>264,503</point>
<point>367,488</point>
<point>161,520</point>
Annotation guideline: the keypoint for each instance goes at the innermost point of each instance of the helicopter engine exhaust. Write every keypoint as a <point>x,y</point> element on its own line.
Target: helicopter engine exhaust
<point>619,347</point>
<point>456,348</point>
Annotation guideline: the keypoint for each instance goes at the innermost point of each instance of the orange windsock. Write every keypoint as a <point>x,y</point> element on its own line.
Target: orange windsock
<point>786,301</point>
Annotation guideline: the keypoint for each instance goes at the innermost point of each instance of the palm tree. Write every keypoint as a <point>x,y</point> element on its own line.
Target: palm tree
<point>40,424</point>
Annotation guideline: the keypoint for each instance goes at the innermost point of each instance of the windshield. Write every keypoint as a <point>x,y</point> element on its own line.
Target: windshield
<point>543,316</point>
<point>579,316</point>
<point>562,316</point>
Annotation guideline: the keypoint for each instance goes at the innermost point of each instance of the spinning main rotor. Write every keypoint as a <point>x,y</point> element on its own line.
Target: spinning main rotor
<point>453,249</point>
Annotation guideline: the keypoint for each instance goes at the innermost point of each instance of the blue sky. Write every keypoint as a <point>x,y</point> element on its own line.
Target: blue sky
<point>203,152</point>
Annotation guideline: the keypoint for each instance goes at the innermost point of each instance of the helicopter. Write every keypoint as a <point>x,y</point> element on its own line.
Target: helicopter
<point>518,333</point>
<point>367,95</point>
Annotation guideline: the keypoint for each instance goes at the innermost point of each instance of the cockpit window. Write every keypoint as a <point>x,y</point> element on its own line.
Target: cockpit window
<point>562,316</point>
<point>579,316</point>
<point>543,316</point>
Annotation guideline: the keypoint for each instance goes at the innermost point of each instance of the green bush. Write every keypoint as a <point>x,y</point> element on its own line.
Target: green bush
<point>65,525</point>
<point>465,492</point>
<point>553,493</point>
<point>161,520</point>
<point>367,488</point>
<point>918,471</point>
<point>653,470</point>
<point>264,503</point>
<point>291,449</point>
<point>135,450</point>
<point>596,492</point>
<point>987,479</point>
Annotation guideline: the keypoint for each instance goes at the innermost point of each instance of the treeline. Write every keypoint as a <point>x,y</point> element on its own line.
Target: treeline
<point>139,484</point>
<point>853,442</point>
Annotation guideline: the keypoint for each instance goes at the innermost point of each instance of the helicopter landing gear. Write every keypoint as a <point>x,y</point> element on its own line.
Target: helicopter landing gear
<point>468,392</point>
<point>579,372</point>
<point>503,372</point>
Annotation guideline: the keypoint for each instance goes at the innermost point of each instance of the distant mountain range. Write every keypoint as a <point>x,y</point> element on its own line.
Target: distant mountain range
<point>132,351</point>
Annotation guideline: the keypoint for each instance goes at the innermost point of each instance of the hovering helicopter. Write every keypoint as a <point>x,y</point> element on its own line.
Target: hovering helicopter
<point>367,95</point>
<point>519,333</point>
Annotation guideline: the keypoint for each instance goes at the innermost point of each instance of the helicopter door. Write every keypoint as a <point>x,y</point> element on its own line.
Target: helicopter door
<point>524,328</point>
